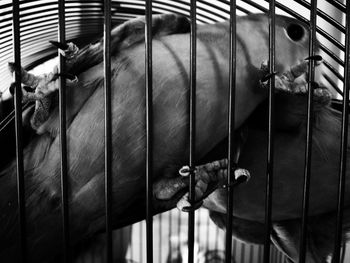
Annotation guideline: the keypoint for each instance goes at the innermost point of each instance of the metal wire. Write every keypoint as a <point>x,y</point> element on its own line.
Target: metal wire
<point>19,133</point>
<point>160,237</point>
<point>10,117</point>
<point>323,15</point>
<point>192,130</point>
<point>337,4</point>
<point>231,122</point>
<point>334,71</point>
<point>95,14</point>
<point>63,135</point>
<point>343,251</point>
<point>332,55</point>
<point>344,143</point>
<point>308,148</point>
<point>108,128</point>
<point>270,139</point>
<point>149,131</point>
<point>333,84</point>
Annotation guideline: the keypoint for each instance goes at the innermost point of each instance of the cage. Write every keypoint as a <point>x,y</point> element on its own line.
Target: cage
<point>27,27</point>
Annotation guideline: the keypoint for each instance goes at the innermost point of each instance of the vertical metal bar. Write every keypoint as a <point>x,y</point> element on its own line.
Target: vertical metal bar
<point>308,150</point>
<point>231,123</point>
<point>170,231</point>
<point>207,225</point>
<point>251,254</point>
<point>179,223</point>
<point>63,135</point>
<point>343,252</point>
<point>216,238</point>
<point>160,238</point>
<point>260,258</point>
<point>270,138</point>
<point>192,134</point>
<point>141,245</point>
<point>108,128</point>
<point>343,142</point>
<point>149,131</point>
<point>234,248</point>
<point>280,259</point>
<point>19,133</point>
<point>131,247</point>
<point>242,252</point>
<point>197,234</point>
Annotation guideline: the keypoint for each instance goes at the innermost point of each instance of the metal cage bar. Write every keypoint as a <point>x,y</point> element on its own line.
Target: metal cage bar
<point>231,123</point>
<point>19,133</point>
<point>192,128</point>
<point>344,143</point>
<point>333,84</point>
<point>308,149</point>
<point>323,15</point>
<point>149,131</point>
<point>337,4</point>
<point>108,128</point>
<point>270,137</point>
<point>63,135</point>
